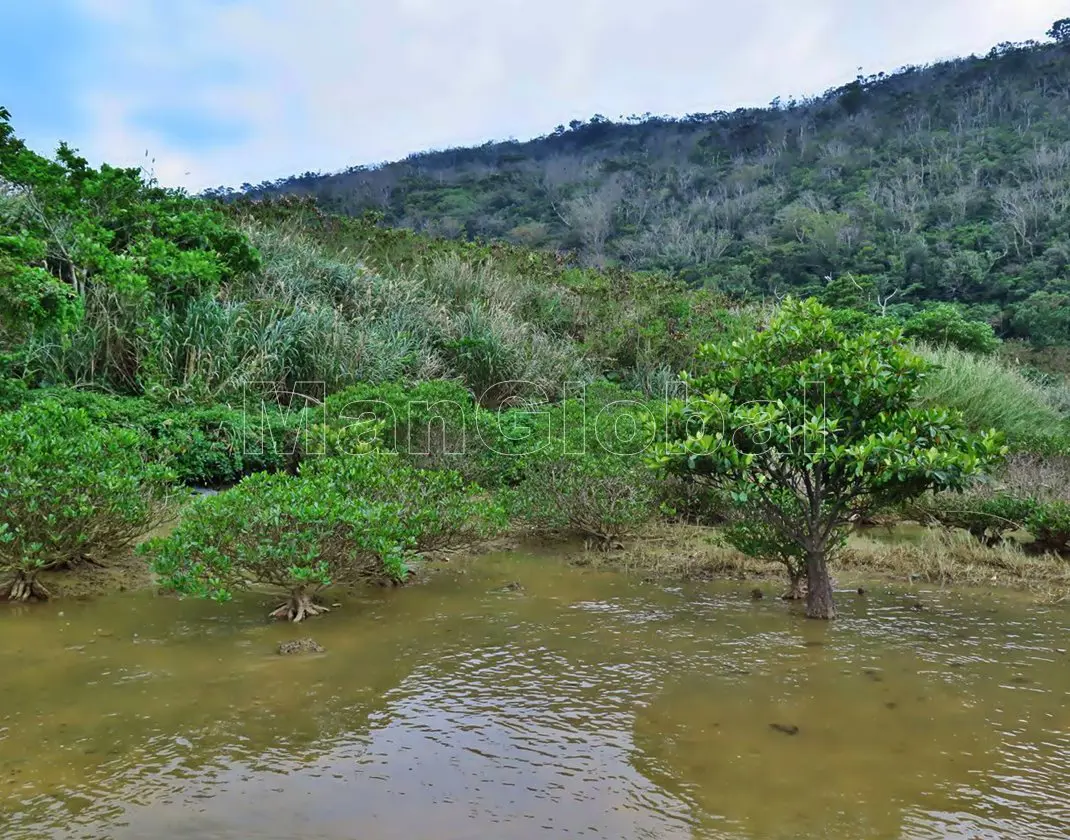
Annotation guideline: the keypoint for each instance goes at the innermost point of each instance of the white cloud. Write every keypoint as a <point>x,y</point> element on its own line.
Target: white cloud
<point>324,84</point>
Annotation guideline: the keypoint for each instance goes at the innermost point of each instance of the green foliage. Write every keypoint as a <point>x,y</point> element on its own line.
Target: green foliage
<point>1050,526</point>
<point>106,254</point>
<point>12,393</point>
<point>805,427</point>
<point>213,445</point>
<point>341,520</point>
<point>69,491</point>
<point>438,509</point>
<point>757,538</point>
<point>30,297</point>
<point>578,466</point>
<point>986,516</point>
<point>602,499</point>
<point>944,325</point>
<point>421,418</point>
<point>85,227</point>
<point>1044,318</point>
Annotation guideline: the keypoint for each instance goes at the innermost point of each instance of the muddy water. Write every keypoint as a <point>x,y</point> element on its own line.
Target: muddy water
<point>583,705</point>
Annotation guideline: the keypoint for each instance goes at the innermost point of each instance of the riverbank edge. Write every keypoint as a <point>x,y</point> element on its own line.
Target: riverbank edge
<point>676,552</point>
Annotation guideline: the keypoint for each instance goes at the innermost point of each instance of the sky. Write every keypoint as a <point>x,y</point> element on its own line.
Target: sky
<point>220,92</point>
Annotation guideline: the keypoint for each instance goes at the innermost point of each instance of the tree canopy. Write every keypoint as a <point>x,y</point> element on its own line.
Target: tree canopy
<point>67,228</point>
<point>805,427</point>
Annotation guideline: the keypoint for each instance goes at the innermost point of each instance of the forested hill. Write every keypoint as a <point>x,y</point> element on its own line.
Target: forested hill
<point>947,182</point>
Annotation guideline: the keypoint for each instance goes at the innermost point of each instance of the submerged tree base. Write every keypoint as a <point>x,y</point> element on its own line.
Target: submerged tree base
<point>22,589</point>
<point>797,591</point>
<point>298,607</point>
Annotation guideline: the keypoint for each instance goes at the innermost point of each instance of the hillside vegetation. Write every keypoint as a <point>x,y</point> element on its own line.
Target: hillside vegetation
<point>377,395</point>
<point>942,183</point>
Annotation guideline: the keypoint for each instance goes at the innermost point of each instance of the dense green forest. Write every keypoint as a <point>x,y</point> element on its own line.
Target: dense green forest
<point>945,183</point>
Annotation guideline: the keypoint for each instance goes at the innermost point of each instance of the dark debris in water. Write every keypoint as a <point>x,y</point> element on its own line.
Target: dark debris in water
<point>785,728</point>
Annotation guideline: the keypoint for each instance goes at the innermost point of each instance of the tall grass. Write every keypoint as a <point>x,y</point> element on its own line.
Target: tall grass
<point>990,394</point>
<point>309,316</point>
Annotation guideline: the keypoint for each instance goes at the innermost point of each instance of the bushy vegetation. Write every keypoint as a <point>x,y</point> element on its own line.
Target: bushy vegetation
<point>990,393</point>
<point>757,538</point>
<point>71,491</point>
<point>343,519</point>
<point>201,445</point>
<point>79,244</point>
<point>585,474</point>
<point>806,428</point>
<point>1029,494</point>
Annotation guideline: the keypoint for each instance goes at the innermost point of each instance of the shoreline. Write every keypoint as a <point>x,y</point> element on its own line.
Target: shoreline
<point>679,552</point>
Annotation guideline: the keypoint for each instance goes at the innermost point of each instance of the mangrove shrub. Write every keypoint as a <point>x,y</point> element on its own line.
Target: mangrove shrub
<point>807,427</point>
<point>70,491</point>
<point>342,519</point>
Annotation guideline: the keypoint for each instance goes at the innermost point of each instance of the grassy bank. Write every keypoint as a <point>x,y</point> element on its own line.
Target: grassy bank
<point>931,556</point>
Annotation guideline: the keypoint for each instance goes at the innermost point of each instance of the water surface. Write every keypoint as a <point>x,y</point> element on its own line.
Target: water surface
<point>586,704</point>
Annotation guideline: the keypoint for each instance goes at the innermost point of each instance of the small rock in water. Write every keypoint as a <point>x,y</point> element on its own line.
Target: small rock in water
<point>299,646</point>
<point>786,728</point>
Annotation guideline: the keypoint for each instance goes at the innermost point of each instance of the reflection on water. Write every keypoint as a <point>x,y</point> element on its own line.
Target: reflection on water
<point>584,705</point>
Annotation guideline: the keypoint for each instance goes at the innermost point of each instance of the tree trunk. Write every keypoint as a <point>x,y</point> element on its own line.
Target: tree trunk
<point>795,590</point>
<point>298,607</point>
<point>23,587</point>
<point>818,587</point>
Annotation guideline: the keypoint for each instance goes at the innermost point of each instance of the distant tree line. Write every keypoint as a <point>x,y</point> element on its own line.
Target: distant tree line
<point>948,183</point>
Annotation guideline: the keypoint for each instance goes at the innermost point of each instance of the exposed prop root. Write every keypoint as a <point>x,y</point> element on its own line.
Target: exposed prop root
<point>23,589</point>
<point>796,592</point>
<point>297,608</point>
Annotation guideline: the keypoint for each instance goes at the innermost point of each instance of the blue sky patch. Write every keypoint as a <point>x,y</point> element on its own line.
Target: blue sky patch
<point>42,62</point>
<point>189,129</point>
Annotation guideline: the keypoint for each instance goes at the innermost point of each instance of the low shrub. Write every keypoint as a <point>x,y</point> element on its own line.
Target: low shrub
<point>214,445</point>
<point>944,325</point>
<point>690,503</point>
<point>587,477</point>
<point>341,520</point>
<point>1049,524</point>
<point>987,516</point>
<point>604,500</point>
<point>757,539</point>
<point>424,420</point>
<point>438,508</point>
<point>12,393</point>
<point>70,491</point>
<point>1031,492</point>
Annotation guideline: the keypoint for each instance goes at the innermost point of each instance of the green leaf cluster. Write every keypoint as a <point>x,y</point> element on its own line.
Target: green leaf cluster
<point>808,426</point>
<point>342,519</point>
<point>70,489</point>
<point>67,227</point>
